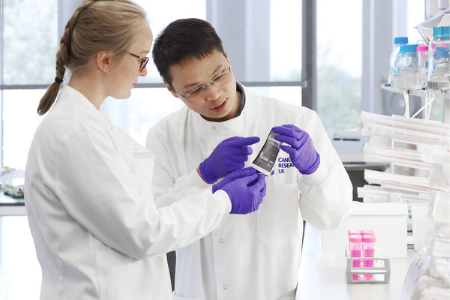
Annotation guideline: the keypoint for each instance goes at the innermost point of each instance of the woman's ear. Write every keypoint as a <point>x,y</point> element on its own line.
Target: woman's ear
<point>103,60</point>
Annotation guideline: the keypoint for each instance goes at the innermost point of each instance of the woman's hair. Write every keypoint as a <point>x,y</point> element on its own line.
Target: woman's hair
<point>102,25</point>
<point>184,40</point>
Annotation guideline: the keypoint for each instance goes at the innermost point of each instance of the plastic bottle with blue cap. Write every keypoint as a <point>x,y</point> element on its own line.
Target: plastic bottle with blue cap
<point>408,68</point>
<point>422,56</point>
<point>393,60</point>
<point>439,58</point>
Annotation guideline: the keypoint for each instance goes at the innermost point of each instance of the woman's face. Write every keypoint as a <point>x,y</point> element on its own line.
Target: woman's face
<point>124,76</point>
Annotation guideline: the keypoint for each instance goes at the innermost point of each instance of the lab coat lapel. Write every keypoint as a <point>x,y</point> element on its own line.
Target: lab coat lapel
<point>144,158</point>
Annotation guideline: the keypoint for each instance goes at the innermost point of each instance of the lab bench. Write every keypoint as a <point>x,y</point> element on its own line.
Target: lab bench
<point>11,207</point>
<point>329,282</point>
<point>315,282</point>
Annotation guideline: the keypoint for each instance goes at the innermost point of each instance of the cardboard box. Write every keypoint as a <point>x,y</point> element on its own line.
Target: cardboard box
<point>387,220</point>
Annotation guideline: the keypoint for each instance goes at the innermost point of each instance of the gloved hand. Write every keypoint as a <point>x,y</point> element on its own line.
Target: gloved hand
<point>245,188</point>
<point>301,151</point>
<point>231,154</point>
<point>239,173</point>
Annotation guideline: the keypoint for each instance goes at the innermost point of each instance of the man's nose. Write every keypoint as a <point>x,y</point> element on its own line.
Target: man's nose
<point>212,92</point>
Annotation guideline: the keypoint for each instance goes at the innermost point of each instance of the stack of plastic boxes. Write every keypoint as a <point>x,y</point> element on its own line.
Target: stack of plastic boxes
<point>419,153</point>
<point>435,282</point>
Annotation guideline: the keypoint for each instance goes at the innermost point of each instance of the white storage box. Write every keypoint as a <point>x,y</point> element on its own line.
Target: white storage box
<point>387,220</point>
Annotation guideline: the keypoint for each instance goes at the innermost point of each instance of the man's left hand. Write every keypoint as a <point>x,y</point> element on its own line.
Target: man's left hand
<point>301,149</point>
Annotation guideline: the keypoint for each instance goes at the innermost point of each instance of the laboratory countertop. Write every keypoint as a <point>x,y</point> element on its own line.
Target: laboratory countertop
<point>11,207</point>
<point>315,282</point>
<point>329,282</point>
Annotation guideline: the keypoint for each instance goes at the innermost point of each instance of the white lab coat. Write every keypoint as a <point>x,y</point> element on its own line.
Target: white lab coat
<point>97,231</point>
<point>254,256</point>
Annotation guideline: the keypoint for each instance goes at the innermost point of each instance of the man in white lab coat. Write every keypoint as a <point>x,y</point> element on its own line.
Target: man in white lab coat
<point>256,256</point>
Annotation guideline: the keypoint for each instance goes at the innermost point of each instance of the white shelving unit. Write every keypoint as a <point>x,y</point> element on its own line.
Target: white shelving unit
<point>439,94</point>
<point>410,289</point>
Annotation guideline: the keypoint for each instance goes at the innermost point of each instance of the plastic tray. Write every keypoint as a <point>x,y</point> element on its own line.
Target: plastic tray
<point>381,270</point>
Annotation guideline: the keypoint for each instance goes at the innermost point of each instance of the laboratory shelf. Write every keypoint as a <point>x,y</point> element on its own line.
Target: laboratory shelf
<point>439,94</point>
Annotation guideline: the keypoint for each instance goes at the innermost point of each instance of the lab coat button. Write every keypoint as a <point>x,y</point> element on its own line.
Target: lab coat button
<point>213,128</point>
<point>224,287</point>
<point>134,149</point>
<point>221,241</point>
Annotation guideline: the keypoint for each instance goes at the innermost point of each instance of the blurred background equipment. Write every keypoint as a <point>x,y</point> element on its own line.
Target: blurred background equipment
<point>12,181</point>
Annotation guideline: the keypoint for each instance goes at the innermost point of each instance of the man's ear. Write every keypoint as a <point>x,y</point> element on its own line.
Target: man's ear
<point>103,59</point>
<point>226,55</point>
<point>170,89</point>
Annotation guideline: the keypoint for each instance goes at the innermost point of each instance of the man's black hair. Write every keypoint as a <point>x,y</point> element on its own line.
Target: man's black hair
<point>184,40</point>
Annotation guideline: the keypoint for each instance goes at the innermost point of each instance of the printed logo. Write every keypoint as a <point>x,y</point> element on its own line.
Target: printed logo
<point>283,164</point>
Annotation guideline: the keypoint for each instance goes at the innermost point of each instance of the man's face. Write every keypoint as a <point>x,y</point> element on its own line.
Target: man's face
<point>219,101</point>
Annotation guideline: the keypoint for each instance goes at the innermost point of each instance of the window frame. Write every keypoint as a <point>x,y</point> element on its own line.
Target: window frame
<point>65,11</point>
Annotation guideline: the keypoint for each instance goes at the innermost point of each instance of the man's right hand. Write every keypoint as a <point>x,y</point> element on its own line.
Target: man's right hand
<point>230,155</point>
<point>245,188</point>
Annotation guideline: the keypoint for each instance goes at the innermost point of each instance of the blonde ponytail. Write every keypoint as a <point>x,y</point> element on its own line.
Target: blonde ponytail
<point>107,25</point>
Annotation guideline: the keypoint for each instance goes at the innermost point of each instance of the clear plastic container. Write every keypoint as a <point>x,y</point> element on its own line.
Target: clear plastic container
<point>354,247</point>
<point>354,232</point>
<point>368,250</point>
<point>367,231</point>
<point>408,68</point>
<point>439,58</point>
<point>422,55</point>
<point>393,60</point>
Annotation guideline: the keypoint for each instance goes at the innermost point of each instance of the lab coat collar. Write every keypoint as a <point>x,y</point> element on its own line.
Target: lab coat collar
<point>231,127</point>
<point>70,94</point>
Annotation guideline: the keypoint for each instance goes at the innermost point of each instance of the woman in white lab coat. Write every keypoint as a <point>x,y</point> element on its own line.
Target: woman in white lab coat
<point>98,231</point>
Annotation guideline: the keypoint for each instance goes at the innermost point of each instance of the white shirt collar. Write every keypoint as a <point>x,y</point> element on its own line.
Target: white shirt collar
<point>231,127</point>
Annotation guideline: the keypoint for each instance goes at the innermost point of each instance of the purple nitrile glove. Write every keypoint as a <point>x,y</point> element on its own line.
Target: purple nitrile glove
<point>239,173</point>
<point>246,192</point>
<point>301,151</point>
<point>231,154</point>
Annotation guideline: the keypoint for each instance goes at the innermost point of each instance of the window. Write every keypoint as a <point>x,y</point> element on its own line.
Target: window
<point>160,14</point>
<point>285,41</point>
<point>29,49</point>
<point>265,57</point>
<point>262,38</point>
<point>27,59</point>
<point>339,64</point>
<point>19,123</point>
